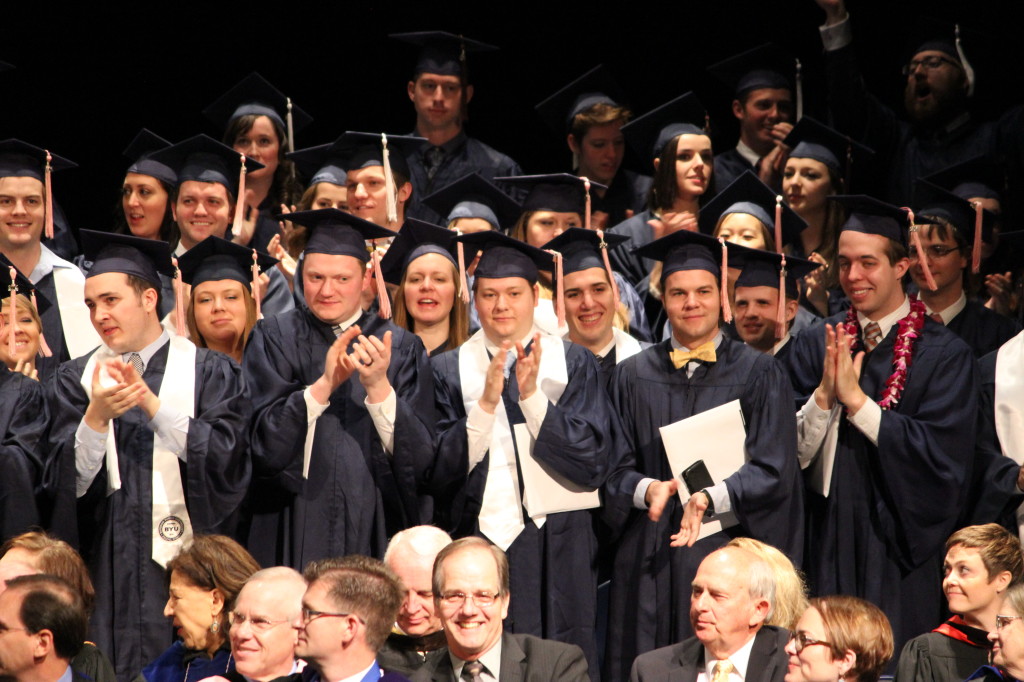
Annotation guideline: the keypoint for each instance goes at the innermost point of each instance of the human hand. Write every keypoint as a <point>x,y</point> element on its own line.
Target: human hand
<point>527,367</point>
<point>28,368</point>
<point>286,264</point>
<point>111,396</point>
<point>689,526</point>
<point>494,382</point>
<point>338,367</point>
<point>848,390</point>
<point>673,221</point>
<point>371,357</point>
<point>657,496</point>
<point>825,393</point>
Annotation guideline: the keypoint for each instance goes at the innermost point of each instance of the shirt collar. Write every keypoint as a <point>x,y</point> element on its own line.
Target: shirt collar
<point>149,351</point>
<point>607,349</point>
<point>67,676</point>
<point>490,658</point>
<point>449,147</point>
<point>777,347</point>
<point>678,346</point>
<point>951,311</point>
<point>747,153</point>
<point>358,677</point>
<point>739,660</point>
<point>48,260</point>
<point>886,323</point>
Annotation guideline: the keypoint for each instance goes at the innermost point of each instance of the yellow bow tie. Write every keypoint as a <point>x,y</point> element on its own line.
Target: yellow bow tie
<point>705,353</point>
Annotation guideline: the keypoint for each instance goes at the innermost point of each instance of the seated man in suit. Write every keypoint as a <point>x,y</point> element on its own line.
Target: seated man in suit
<point>471,592</point>
<point>733,595</point>
<point>43,625</point>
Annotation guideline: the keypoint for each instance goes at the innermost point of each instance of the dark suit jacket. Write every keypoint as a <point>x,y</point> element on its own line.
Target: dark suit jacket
<point>524,658</point>
<point>683,662</point>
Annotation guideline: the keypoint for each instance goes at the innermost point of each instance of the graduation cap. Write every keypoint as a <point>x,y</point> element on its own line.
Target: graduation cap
<point>747,194</point>
<point>323,163</point>
<point>442,53</point>
<point>596,86</point>
<point>504,256</point>
<point>976,178</point>
<point>13,283</point>
<point>139,151</point>
<point>473,196</point>
<point>254,95</point>
<point>22,160</point>
<point>759,268</point>
<point>418,238</point>
<point>686,250</point>
<point>215,259</point>
<point>364,150</point>
<point>811,139</point>
<point>146,259</point>
<point>558,192</point>
<point>581,249</point>
<point>338,233</point>
<point>969,219</point>
<point>648,134</point>
<point>765,66</point>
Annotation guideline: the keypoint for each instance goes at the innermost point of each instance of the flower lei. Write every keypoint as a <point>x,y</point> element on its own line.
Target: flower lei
<point>903,350</point>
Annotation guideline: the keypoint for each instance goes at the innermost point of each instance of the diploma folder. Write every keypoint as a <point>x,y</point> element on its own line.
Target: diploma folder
<point>545,491</point>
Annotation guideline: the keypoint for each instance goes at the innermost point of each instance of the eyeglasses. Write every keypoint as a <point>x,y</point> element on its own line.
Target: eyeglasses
<point>257,623</point>
<point>927,63</point>
<point>483,598</point>
<point>803,640</point>
<point>309,615</point>
<point>1003,621</point>
<point>934,252</point>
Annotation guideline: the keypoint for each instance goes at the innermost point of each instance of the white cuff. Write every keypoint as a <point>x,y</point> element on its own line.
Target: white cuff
<point>313,408</point>
<point>172,427</point>
<point>868,420</point>
<point>811,428</point>
<point>719,493</point>
<point>836,36</point>
<point>90,450</point>
<point>383,416</point>
<point>479,427</point>
<point>534,409</point>
<point>640,494</point>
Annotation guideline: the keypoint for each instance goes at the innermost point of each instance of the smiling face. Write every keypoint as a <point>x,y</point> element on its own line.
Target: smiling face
<point>267,651</point>
<point>124,319</point>
<point>693,165</point>
<point>260,143</point>
<point>331,285</point>
<point>600,151</point>
<point>870,281</point>
<point>970,590</point>
<point>505,307</point>
<point>806,185</point>
<point>144,201</point>
<point>692,304</point>
<point>743,229</point>
<point>755,311</point>
<point>22,212</point>
<point>202,209</point>
<point>589,308</point>
<point>367,195</point>
<point>429,289</point>
<point>814,663</point>
<point>192,610</point>
<point>471,629</point>
<point>26,340</point>
<point>220,311</point>
<point>758,114</point>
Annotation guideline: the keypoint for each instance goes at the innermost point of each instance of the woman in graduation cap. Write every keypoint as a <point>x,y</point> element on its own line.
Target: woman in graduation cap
<point>22,345</point>
<point>223,306</point>
<point>145,207</point>
<point>429,300</point>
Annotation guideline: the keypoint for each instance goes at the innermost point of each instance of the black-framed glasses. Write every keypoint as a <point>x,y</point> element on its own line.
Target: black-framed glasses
<point>801,640</point>
<point>309,615</point>
<point>1003,621</point>
<point>257,623</point>
<point>483,598</point>
<point>934,252</point>
<point>928,63</point>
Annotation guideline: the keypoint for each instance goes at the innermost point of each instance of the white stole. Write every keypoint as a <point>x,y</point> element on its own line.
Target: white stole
<point>625,345</point>
<point>171,526</point>
<point>501,514</point>
<point>1009,405</point>
<point>80,336</point>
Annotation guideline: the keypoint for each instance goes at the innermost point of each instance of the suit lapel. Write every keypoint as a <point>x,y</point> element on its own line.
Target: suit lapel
<point>512,660</point>
<point>690,662</point>
<point>763,660</point>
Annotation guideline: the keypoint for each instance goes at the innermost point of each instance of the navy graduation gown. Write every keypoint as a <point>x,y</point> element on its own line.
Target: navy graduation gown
<point>114,531</point>
<point>632,267</point>
<point>650,598</point>
<point>553,568</point>
<point>983,329</point>
<point>729,165</point>
<point>628,192</point>
<point>23,421</point>
<point>356,495</point>
<point>880,535</point>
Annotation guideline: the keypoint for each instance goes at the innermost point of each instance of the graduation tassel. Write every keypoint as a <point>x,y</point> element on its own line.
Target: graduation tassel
<point>915,237</point>
<point>49,196</point>
<point>256,293</point>
<point>383,302</point>
<point>968,69</point>
<point>778,223</point>
<point>798,82</point>
<point>463,282</point>
<point>608,265</point>
<point>724,284</point>
<point>44,348</point>
<point>179,301</point>
<point>389,184</point>
<point>848,177</point>
<point>976,246</point>
<point>291,127</point>
<point>240,207</point>
<point>559,289</point>
<point>586,191</point>
<point>12,311</point>
<point>780,315</point>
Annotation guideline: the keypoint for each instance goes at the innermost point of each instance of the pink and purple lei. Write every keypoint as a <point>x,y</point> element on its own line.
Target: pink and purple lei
<point>903,350</point>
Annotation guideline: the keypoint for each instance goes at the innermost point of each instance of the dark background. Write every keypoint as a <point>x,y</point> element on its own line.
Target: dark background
<point>88,78</point>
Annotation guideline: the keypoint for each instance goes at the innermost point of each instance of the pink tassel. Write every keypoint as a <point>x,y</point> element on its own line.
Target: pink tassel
<point>463,282</point>
<point>240,207</point>
<point>780,315</point>
<point>44,348</point>
<point>778,223</point>
<point>559,289</point>
<point>915,237</point>
<point>726,308</point>
<point>976,247</point>
<point>608,266</point>
<point>586,190</point>
<point>256,293</point>
<point>13,313</point>
<point>383,302</point>
<point>179,301</point>
<point>49,196</point>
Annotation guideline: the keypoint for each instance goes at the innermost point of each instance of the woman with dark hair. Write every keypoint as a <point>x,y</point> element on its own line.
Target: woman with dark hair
<point>145,208</point>
<point>839,638</point>
<point>204,580</point>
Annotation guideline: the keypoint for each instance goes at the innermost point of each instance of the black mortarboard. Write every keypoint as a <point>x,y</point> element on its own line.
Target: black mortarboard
<point>559,192</point>
<point>442,53</point>
<point>506,257</point>
<point>473,196</point>
<point>765,66</point>
<point>415,239</point>
<point>338,233</point>
<point>976,178</point>
<point>367,149</point>
<point>255,95</point>
<point>759,268</point>
<point>811,139</point>
<point>323,163</point>
<point>581,249</point>
<point>143,258</point>
<point>139,151</point>
<point>214,259</point>
<point>203,159</point>
<point>685,250</point>
<point>933,201</point>
<point>596,86</point>
<point>648,134</point>
<point>871,216</point>
<point>24,285</point>
<point>22,160</point>
<point>747,194</point>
